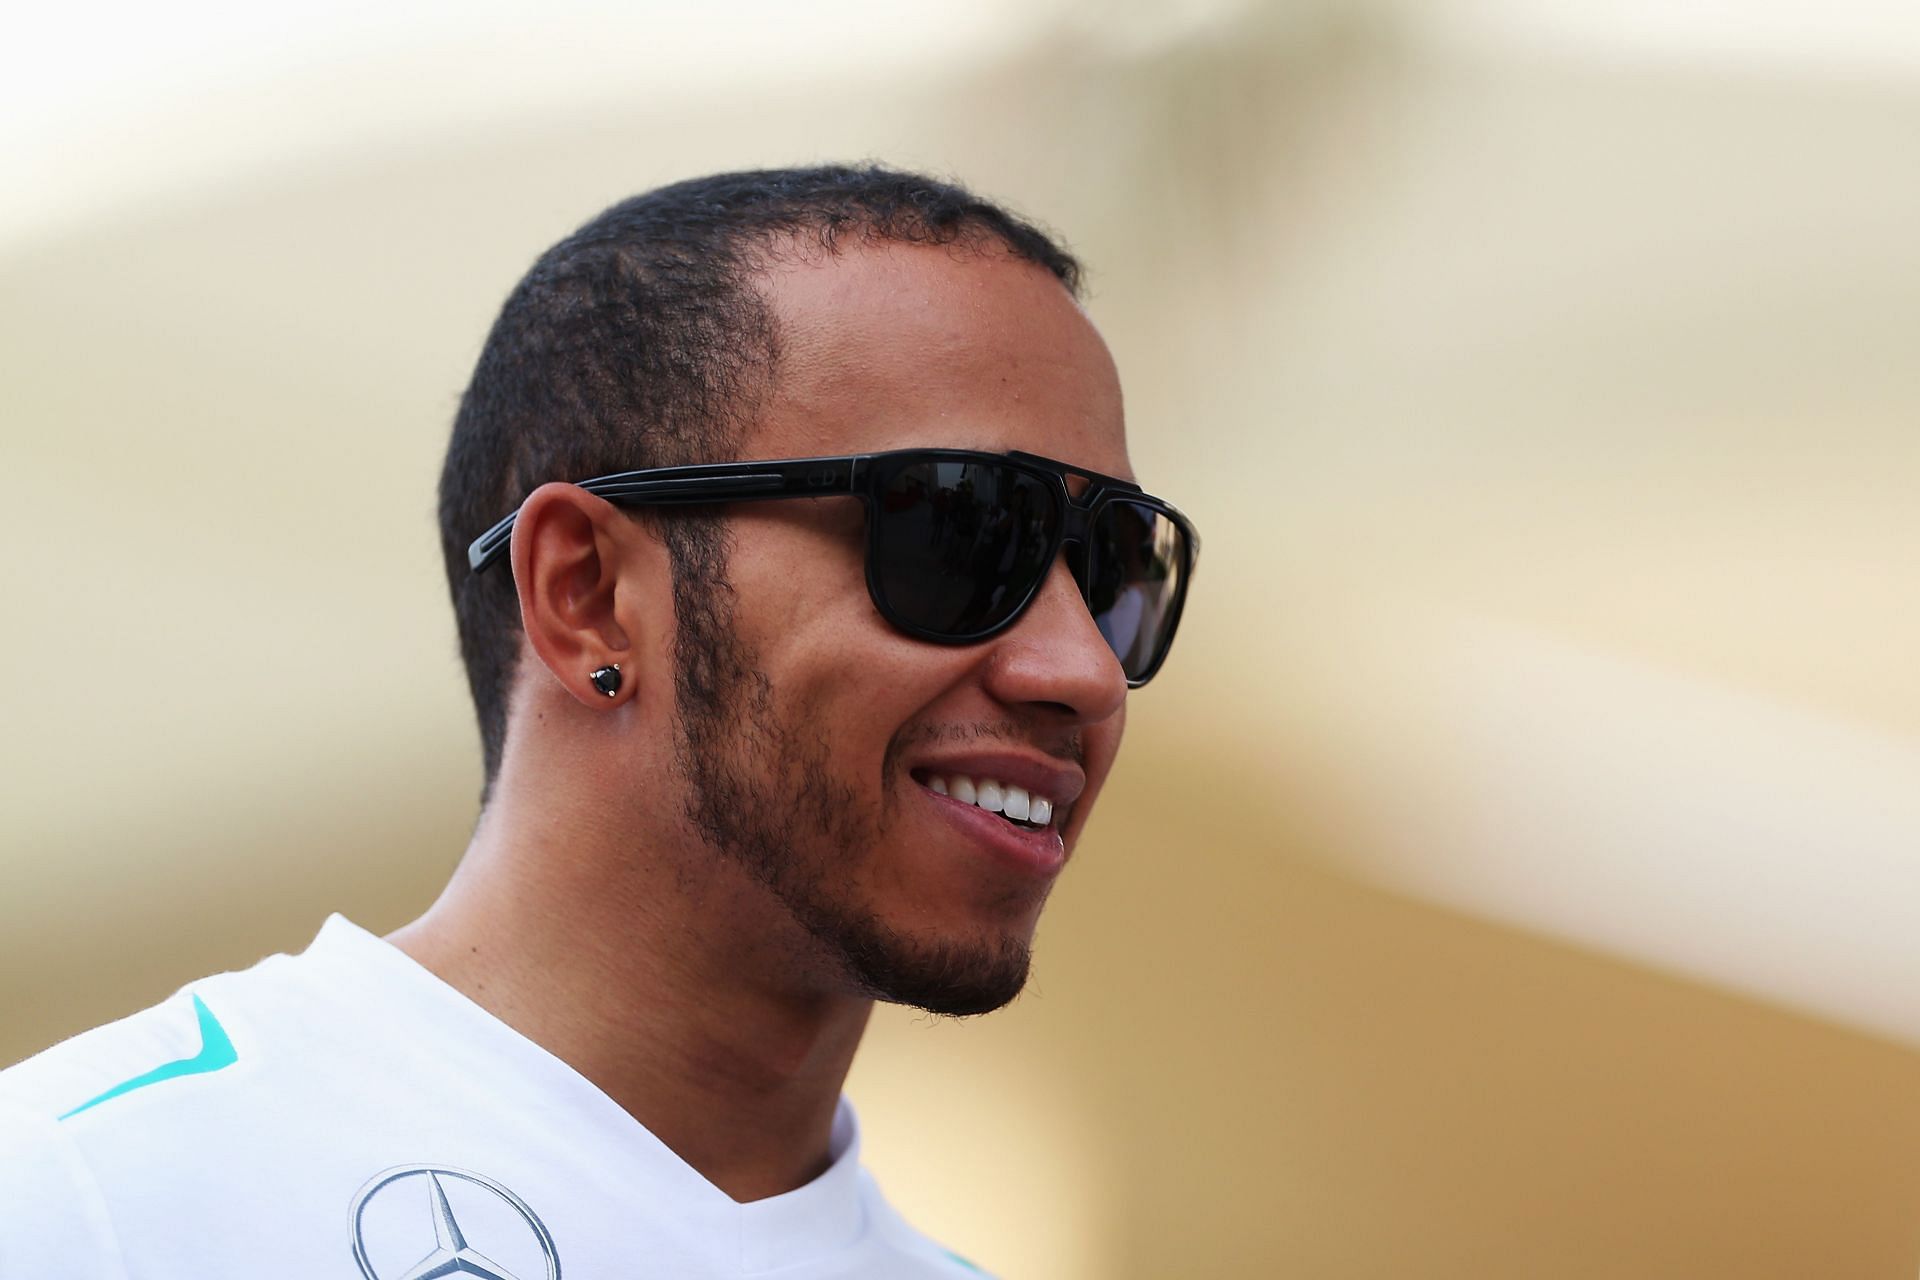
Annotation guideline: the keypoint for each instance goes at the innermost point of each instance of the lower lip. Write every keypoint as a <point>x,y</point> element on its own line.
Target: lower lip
<point>1037,853</point>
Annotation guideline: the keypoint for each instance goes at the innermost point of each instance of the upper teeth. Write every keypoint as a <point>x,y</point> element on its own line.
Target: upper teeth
<point>994,796</point>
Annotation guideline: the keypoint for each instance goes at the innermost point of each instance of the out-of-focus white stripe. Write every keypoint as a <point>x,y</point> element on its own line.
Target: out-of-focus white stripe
<point>1695,827</point>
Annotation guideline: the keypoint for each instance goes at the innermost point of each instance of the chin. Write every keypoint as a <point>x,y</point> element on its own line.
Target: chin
<point>958,978</point>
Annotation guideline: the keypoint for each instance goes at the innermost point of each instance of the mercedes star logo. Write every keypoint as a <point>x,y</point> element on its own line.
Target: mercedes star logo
<point>451,1254</point>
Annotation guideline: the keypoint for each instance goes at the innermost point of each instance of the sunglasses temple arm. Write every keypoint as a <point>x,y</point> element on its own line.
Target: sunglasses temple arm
<point>486,548</point>
<point>688,486</point>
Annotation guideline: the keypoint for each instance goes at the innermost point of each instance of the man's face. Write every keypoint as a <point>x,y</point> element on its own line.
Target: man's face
<point>810,733</point>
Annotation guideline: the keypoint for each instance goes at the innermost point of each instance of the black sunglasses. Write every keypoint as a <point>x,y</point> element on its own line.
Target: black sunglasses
<point>959,541</point>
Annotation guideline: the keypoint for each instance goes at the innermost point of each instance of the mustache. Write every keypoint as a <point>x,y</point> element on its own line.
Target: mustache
<point>1065,747</point>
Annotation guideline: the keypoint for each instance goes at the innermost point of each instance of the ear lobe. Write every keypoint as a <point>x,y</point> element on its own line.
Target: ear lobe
<point>568,557</point>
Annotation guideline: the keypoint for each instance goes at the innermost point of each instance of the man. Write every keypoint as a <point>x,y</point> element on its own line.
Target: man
<point>763,744</point>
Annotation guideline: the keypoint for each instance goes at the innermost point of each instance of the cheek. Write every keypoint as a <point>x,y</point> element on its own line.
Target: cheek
<point>835,665</point>
<point>798,575</point>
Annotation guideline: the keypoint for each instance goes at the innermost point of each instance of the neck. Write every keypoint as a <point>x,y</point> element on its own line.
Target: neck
<point>685,1006</point>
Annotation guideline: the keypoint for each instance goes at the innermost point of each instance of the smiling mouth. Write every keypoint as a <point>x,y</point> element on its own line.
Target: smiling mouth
<point>1017,806</point>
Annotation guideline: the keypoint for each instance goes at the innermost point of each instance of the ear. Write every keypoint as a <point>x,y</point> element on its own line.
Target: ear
<point>581,589</point>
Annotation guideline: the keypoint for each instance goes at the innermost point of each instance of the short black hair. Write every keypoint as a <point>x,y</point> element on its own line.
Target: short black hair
<point>641,341</point>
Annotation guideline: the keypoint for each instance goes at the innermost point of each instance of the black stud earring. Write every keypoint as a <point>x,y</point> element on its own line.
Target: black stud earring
<point>607,679</point>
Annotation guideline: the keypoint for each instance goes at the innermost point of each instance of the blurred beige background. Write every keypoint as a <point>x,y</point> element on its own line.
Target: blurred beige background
<point>1516,871</point>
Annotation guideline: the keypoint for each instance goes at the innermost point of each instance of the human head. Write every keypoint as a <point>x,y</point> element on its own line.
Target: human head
<point>763,777</point>
<point>640,341</point>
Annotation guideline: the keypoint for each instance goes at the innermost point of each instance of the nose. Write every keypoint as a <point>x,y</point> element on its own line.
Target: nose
<point>1055,656</point>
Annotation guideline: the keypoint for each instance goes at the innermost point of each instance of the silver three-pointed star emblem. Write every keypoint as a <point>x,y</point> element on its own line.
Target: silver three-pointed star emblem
<point>451,1255</point>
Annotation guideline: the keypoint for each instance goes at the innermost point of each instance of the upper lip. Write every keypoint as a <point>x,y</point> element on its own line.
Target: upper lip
<point>1061,784</point>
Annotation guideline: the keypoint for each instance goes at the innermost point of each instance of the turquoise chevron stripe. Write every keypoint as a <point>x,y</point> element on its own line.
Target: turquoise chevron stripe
<point>968,1263</point>
<point>216,1051</point>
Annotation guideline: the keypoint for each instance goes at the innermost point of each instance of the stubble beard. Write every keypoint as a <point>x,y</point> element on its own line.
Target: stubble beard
<point>762,791</point>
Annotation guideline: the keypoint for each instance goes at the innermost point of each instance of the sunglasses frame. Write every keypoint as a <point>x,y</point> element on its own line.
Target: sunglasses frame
<point>861,475</point>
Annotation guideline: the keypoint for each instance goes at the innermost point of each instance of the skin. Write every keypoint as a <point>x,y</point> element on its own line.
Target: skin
<point>598,916</point>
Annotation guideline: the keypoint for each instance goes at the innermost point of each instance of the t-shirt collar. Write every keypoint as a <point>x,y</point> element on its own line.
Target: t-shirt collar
<point>813,1220</point>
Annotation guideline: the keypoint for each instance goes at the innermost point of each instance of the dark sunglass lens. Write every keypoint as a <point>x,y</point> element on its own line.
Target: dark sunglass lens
<point>1135,570</point>
<point>961,544</point>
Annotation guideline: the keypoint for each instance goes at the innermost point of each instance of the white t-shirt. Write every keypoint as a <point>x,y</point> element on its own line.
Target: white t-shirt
<point>345,1114</point>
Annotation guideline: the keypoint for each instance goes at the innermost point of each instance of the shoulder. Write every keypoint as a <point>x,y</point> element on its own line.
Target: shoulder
<point>134,1137</point>
<point>191,1073</point>
<point>83,1072</point>
<point>182,1036</point>
<point>113,1138</point>
<point>284,1018</point>
<point>60,1165</point>
<point>53,1218</point>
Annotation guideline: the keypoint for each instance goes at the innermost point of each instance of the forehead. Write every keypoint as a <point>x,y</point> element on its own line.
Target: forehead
<point>889,345</point>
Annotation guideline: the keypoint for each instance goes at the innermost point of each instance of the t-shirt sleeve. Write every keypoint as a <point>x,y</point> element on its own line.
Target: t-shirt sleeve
<point>53,1219</point>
